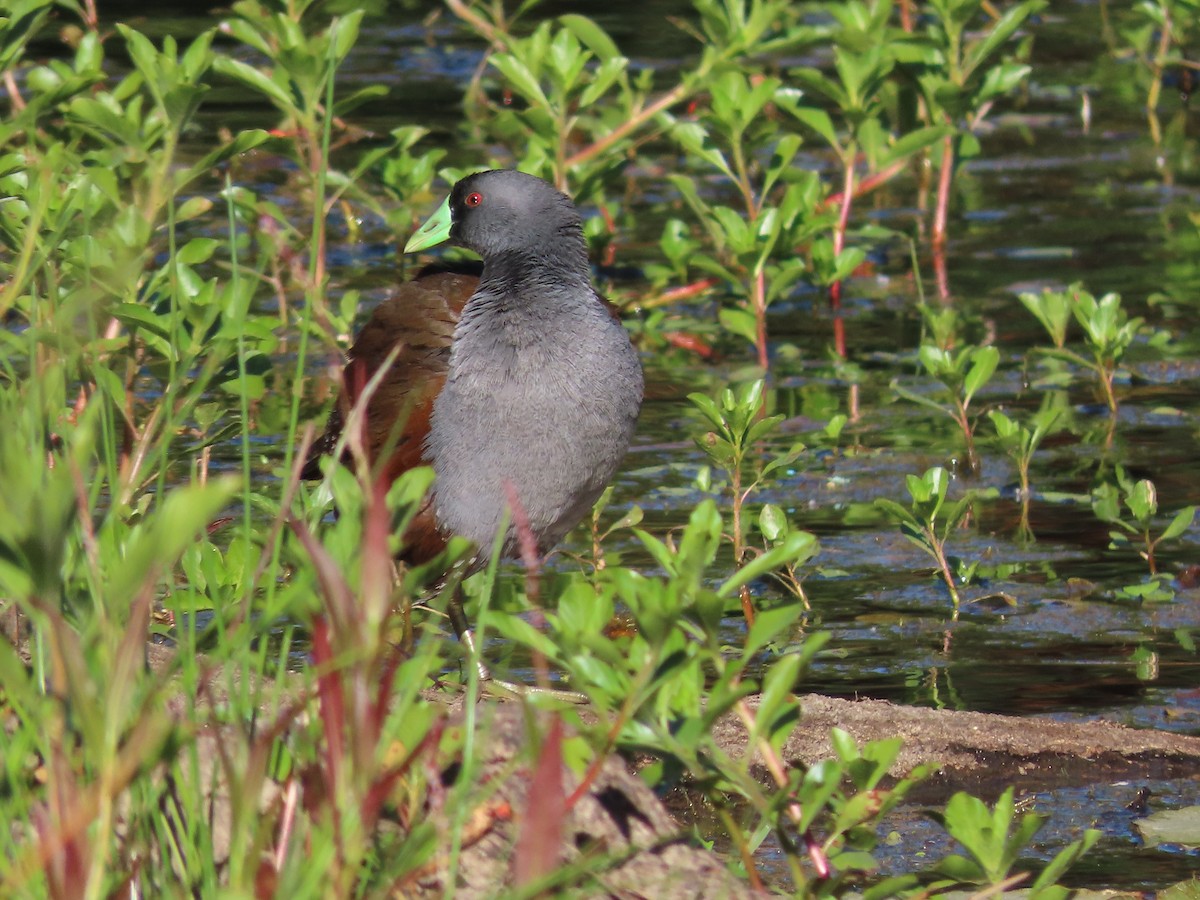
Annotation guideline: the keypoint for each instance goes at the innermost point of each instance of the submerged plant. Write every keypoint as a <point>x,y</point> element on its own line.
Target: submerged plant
<point>1021,439</point>
<point>855,128</point>
<point>929,521</point>
<point>963,373</point>
<point>1141,500</point>
<point>1108,331</point>
<point>959,65</point>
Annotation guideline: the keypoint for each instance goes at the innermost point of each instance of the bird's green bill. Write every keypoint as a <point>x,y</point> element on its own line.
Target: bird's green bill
<point>435,231</point>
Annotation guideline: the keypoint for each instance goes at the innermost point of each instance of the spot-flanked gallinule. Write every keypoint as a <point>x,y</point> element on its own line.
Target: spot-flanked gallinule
<point>520,376</point>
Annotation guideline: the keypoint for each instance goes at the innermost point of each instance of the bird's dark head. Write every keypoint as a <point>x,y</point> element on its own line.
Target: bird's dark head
<point>503,212</point>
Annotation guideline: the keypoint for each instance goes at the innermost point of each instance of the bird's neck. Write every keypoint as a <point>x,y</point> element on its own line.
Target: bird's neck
<point>522,274</point>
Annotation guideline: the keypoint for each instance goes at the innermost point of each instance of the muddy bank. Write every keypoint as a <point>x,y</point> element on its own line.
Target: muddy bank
<point>979,752</point>
<point>982,752</point>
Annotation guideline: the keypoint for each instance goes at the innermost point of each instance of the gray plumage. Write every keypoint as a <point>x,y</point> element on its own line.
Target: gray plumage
<point>544,387</point>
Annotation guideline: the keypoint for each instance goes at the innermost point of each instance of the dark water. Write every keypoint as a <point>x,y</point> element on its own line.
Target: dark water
<point>1046,203</point>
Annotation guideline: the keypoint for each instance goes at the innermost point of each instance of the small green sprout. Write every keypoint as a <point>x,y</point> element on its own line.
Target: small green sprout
<point>929,522</point>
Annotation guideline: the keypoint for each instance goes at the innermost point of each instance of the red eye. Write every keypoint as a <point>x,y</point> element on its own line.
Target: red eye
<point>474,198</point>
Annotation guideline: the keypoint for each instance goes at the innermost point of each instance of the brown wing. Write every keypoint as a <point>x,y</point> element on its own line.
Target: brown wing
<point>417,325</point>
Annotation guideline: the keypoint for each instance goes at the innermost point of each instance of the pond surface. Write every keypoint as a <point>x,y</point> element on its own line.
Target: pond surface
<point>1047,203</point>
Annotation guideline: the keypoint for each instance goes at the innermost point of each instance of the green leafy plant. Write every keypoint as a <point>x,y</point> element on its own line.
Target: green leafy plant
<point>1140,499</point>
<point>1021,440</point>
<point>581,111</point>
<point>960,69</point>
<point>1158,38</point>
<point>929,521</point>
<point>962,73</point>
<point>994,840</point>
<point>963,373</point>
<point>574,90</point>
<point>735,447</point>
<point>661,686</point>
<point>284,742</point>
<point>300,86</point>
<point>751,243</point>
<point>1108,331</point>
<point>863,61</point>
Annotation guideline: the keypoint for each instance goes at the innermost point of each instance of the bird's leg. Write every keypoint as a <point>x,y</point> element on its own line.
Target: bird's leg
<point>462,628</point>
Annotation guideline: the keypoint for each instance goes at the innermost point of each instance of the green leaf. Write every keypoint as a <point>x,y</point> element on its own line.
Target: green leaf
<point>708,409</point>
<point>343,33</point>
<point>920,399</point>
<point>1004,28</point>
<point>521,78</point>
<point>914,142</point>
<point>158,542</point>
<point>778,691</point>
<point>348,104</point>
<point>772,521</point>
<point>1181,523</point>
<point>1062,861</point>
<point>961,869</point>
<point>897,512</point>
<point>983,365</point>
<point>778,556</point>
<point>1142,501</point>
<point>591,36</point>
<point>197,251</point>
<point>255,80</point>
<point>696,141</point>
<point>818,121</point>
<point>771,626</point>
<point>740,322</point>
<point>603,78</point>
<point>657,549</point>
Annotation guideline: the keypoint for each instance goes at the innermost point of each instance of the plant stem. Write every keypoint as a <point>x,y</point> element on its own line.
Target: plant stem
<point>943,193</point>
<point>867,184</point>
<point>1107,370</point>
<point>839,242</point>
<point>964,423</point>
<point>1156,73</point>
<point>758,299</point>
<point>739,498</point>
<point>939,554</point>
<point>637,118</point>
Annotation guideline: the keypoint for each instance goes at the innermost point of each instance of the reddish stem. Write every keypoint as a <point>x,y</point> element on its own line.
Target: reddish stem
<point>867,183</point>
<point>943,195</point>
<point>760,317</point>
<point>839,243</point>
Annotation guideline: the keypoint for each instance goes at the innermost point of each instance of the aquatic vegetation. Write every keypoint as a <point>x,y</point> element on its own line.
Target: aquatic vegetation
<point>1021,439</point>
<point>1108,331</point>
<point>929,522</point>
<point>1140,499</point>
<point>994,840</point>
<point>736,448</point>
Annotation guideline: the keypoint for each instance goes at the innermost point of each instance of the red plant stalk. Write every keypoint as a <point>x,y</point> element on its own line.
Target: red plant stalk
<point>540,838</point>
<point>940,214</point>
<point>839,242</point>
<point>333,715</point>
<point>943,193</point>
